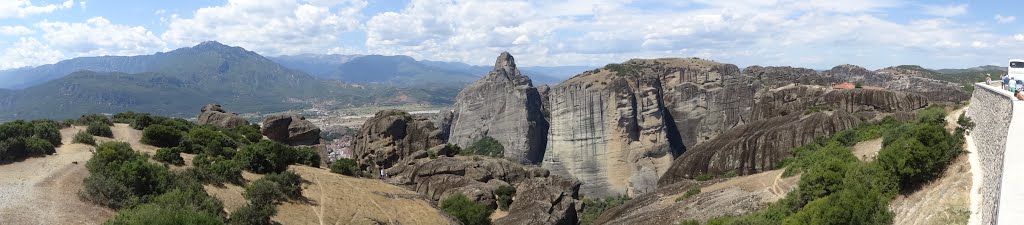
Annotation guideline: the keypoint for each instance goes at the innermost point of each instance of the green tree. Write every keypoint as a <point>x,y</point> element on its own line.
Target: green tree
<point>161,136</point>
<point>218,169</point>
<point>264,192</point>
<point>156,214</point>
<point>486,146</point>
<point>250,214</point>
<point>84,138</point>
<point>347,167</point>
<point>307,156</point>
<point>265,157</point>
<point>170,156</point>
<point>467,211</point>
<point>504,195</point>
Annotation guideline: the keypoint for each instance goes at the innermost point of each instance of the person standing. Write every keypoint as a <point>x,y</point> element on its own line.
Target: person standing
<point>1006,82</point>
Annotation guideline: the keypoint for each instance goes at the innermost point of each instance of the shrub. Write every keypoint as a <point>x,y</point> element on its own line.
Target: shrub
<point>290,183</point>
<point>84,138</point>
<point>909,160</point>
<point>90,119</point>
<point>170,156</point>
<point>47,130</point>
<point>161,136</point>
<point>100,129</point>
<point>250,132</point>
<point>218,169</point>
<point>704,177</point>
<point>822,178</point>
<point>194,199</point>
<point>107,191</point>
<point>114,168</point>
<point>465,210</point>
<point>264,192</point>
<point>689,193</point>
<point>307,156</point>
<point>208,140</point>
<point>142,122</point>
<point>265,157</point>
<point>504,195</point>
<point>486,146</point>
<point>38,146</point>
<point>253,215</point>
<point>157,214</point>
<point>593,208</point>
<point>347,167</point>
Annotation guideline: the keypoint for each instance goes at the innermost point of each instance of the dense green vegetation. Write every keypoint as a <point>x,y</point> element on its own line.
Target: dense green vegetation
<point>593,208</point>
<point>504,195</point>
<point>265,157</point>
<point>83,137</point>
<point>486,146</point>
<point>99,129</point>
<point>22,139</point>
<point>170,156</point>
<point>347,167</point>
<point>836,188</point>
<point>262,194</point>
<point>466,210</point>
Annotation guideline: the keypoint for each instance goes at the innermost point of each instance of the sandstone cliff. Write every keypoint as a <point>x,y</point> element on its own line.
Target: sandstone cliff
<point>506,106</point>
<point>618,128</point>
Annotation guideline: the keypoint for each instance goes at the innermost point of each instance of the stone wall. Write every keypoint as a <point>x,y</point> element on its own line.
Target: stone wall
<point>991,109</point>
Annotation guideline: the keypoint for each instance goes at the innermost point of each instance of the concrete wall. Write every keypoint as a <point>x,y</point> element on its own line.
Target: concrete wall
<point>992,110</point>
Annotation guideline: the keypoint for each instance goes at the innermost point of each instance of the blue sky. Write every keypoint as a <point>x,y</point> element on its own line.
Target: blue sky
<point>816,34</point>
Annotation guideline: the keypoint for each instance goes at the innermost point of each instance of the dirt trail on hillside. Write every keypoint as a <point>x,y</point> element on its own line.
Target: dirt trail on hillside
<point>336,199</point>
<point>45,190</point>
<point>867,150</point>
<point>945,200</point>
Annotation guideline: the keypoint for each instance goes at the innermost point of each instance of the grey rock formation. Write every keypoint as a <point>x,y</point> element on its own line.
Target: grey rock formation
<point>797,99</point>
<point>544,200</point>
<point>214,115</point>
<point>443,121</point>
<point>618,128</point>
<point>391,136</point>
<point>899,79</point>
<point>503,105</point>
<point>291,129</point>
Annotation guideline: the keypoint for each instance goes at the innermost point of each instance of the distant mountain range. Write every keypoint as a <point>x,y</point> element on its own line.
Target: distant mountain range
<point>179,82</point>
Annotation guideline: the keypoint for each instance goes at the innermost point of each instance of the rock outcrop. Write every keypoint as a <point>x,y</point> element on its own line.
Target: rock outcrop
<point>291,129</point>
<point>504,105</point>
<point>544,200</point>
<point>758,146</point>
<point>797,99</point>
<point>904,78</point>
<point>214,115</point>
<point>618,128</point>
<point>391,136</point>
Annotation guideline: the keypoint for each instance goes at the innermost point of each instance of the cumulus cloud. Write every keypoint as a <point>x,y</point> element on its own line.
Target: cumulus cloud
<point>946,10</point>
<point>28,52</point>
<point>24,8</point>
<point>15,30</point>
<point>1019,37</point>
<point>270,27</point>
<point>1005,19</point>
<point>98,36</point>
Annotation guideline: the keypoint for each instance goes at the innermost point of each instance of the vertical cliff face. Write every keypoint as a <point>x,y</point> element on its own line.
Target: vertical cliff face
<point>506,106</point>
<point>617,129</point>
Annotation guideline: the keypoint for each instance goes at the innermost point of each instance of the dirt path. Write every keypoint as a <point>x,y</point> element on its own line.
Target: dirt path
<point>867,150</point>
<point>44,190</point>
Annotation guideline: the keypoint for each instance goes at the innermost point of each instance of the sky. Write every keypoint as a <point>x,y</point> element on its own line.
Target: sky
<point>817,34</point>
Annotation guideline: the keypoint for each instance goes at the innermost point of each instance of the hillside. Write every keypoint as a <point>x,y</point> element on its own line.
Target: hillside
<point>375,69</point>
<point>177,81</point>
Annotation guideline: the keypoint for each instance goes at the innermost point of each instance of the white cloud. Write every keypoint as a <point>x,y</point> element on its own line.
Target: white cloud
<point>946,10</point>
<point>28,52</point>
<point>269,27</point>
<point>24,8</point>
<point>98,36</point>
<point>1005,19</point>
<point>1019,37</point>
<point>82,4</point>
<point>15,30</point>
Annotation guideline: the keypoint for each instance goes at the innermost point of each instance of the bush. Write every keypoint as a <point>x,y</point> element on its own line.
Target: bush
<point>504,195</point>
<point>100,129</point>
<point>265,157</point>
<point>250,132</point>
<point>218,169</point>
<point>486,146</point>
<point>84,138</point>
<point>253,215</point>
<point>142,122</point>
<point>689,193</point>
<point>47,130</point>
<point>170,156</point>
<point>38,146</point>
<point>704,177</point>
<point>194,199</point>
<point>823,178</point>
<point>121,177</point>
<point>307,156</point>
<point>264,192</point>
<point>465,210</point>
<point>90,119</point>
<point>289,182</point>
<point>209,140</point>
<point>347,167</point>
<point>155,214</point>
<point>161,136</point>
<point>593,208</point>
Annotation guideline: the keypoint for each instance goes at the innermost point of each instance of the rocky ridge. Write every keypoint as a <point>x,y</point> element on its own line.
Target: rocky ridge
<point>214,115</point>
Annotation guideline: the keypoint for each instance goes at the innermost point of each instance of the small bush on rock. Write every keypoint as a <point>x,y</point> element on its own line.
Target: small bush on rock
<point>504,195</point>
<point>486,146</point>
